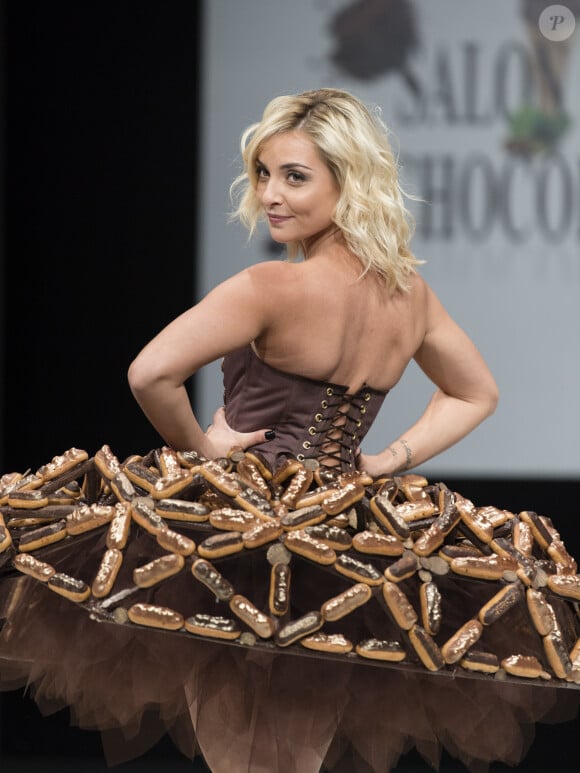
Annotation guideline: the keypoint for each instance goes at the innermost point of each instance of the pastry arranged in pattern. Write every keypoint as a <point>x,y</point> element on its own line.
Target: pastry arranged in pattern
<point>400,571</point>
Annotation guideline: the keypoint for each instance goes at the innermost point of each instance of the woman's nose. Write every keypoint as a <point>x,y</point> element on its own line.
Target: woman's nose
<point>271,192</point>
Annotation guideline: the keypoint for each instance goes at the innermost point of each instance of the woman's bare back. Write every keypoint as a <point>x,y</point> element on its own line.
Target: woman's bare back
<point>331,324</point>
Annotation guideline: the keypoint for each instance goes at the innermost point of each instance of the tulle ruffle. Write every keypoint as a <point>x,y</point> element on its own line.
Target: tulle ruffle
<point>245,709</point>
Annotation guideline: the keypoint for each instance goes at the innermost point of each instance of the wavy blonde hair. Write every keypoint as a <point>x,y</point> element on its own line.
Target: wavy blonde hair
<point>354,143</point>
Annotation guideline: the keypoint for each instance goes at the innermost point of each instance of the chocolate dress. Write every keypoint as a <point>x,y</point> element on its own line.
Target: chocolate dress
<point>252,694</point>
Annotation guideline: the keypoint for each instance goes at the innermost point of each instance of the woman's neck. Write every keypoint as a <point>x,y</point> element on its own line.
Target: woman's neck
<point>330,238</point>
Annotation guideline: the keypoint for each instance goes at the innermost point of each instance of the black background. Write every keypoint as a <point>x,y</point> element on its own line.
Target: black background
<point>101,145</point>
<point>101,152</point>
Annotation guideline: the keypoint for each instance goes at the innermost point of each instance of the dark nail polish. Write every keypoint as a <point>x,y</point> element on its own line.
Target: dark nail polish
<point>270,434</point>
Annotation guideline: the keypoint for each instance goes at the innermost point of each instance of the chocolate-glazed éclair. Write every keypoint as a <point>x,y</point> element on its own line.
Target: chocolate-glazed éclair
<point>212,626</point>
<point>206,573</point>
<point>431,613</point>
<point>279,596</point>
<point>377,649</point>
<point>43,536</point>
<point>70,587</point>
<point>295,630</point>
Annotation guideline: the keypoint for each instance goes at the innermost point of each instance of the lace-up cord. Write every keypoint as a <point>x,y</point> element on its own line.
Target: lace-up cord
<point>334,429</point>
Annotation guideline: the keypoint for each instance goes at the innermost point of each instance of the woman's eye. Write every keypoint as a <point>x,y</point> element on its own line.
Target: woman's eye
<point>261,173</point>
<point>296,177</point>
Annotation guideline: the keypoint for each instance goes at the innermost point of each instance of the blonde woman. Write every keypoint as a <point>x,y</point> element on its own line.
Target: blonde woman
<point>349,316</point>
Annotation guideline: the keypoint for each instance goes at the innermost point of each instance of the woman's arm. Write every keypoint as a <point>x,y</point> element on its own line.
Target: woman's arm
<point>466,394</point>
<point>229,317</point>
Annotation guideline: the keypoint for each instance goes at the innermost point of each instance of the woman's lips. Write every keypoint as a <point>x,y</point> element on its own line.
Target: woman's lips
<point>277,219</point>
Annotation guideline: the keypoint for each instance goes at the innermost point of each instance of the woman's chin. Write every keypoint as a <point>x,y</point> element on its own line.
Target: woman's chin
<point>279,238</point>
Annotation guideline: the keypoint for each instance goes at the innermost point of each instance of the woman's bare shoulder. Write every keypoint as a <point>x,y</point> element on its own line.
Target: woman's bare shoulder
<point>257,283</point>
<point>424,299</point>
<point>273,270</point>
<point>275,279</point>
<point>418,287</point>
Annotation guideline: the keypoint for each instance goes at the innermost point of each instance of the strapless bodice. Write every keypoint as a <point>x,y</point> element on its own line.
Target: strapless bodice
<point>312,419</point>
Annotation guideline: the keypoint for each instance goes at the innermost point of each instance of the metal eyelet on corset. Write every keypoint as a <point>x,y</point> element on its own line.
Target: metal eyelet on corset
<point>306,444</point>
<point>324,404</point>
<point>318,417</point>
<point>329,391</point>
<point>358,423</point>
<point>300,457</point>
<point>312,430</point>
<point>363,409</point>
<point>367,397</point>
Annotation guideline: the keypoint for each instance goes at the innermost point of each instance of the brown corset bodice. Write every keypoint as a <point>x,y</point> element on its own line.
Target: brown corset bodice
<point>312,419</point>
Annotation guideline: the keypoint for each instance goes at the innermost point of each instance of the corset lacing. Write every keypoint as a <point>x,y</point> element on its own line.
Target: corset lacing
<point>333,434</point>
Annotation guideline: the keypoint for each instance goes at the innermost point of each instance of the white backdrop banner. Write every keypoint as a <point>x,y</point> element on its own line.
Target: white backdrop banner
<point>484,106</point>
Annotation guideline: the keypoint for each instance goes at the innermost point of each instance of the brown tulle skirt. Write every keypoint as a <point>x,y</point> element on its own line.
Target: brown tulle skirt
<point>247,708</point>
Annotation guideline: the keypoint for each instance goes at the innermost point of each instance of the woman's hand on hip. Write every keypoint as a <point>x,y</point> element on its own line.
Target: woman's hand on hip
<point>221,438</point>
